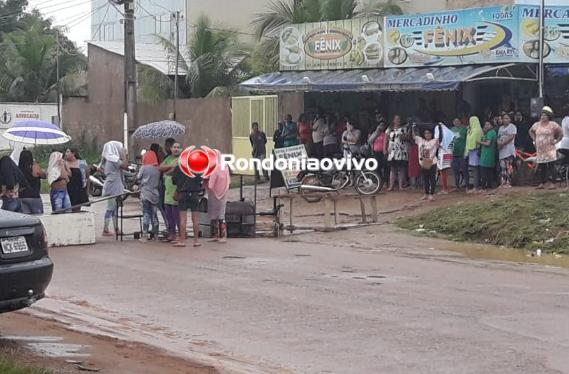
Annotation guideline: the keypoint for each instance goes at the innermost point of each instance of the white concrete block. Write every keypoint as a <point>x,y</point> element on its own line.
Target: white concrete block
<point>69,229</point>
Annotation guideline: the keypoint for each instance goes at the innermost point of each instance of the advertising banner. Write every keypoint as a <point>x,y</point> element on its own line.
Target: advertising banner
<point>470,36</point>
<point>556,34</point>
<point>297,152</point>
<point>345,44</point>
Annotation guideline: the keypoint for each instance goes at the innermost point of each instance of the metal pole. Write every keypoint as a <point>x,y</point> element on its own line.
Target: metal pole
<point>58,84</point>
<point>130,69</point>
<point>177,16</point>
<point>541,46</point>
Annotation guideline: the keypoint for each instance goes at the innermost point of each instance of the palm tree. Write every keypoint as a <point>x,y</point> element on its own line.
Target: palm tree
<point>279,13</point>
<point>28,61</point>
<point>213,60</point>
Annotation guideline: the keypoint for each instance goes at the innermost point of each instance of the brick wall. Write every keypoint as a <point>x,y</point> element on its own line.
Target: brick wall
<point>98,118</point>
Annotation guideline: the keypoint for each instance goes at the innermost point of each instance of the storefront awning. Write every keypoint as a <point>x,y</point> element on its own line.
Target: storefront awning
<point>446,78</point>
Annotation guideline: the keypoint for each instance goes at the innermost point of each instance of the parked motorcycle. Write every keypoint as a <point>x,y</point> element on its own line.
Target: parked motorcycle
<point>97,180</point>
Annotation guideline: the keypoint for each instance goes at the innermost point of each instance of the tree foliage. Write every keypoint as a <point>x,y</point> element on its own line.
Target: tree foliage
<point>214,59</point>
<point>28,60</point>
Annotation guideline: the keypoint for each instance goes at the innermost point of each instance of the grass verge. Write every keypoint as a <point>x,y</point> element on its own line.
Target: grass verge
<point>8,366</point>
<point>535,221</point>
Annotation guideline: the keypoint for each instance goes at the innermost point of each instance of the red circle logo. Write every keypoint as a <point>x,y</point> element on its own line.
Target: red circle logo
<point>200,161</point>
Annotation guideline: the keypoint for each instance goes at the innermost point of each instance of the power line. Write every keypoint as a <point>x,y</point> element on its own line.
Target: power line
<point>94,36</point>
<point>10,15</point>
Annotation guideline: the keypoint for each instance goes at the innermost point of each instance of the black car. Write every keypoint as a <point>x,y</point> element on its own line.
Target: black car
<point>25,267</point>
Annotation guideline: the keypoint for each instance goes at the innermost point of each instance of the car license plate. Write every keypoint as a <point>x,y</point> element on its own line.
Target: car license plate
<point>14,245</point>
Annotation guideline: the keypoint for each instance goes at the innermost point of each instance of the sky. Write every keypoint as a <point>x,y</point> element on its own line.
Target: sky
<point>63,12</point>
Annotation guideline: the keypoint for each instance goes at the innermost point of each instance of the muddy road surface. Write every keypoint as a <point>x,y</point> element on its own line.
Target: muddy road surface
<point>368,300</point>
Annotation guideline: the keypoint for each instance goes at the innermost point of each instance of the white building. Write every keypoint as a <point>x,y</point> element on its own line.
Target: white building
<point>10,113</point>
<point>153,17</point>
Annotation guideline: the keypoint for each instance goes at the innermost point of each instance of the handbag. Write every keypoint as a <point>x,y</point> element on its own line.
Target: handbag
<point>365,150</point>
<point>427,163</point>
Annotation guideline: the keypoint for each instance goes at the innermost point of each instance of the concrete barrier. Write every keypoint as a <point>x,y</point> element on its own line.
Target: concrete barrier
<point>69,229</point>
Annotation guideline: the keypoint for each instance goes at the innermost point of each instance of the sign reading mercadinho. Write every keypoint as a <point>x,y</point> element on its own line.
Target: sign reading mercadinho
<point>346,44</point>
<point>472,36</point>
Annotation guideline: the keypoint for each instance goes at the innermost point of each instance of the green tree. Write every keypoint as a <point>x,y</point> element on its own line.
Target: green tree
<point>214,60</point>
<point>11,12</point>
<point>279,13</point>
<point>28,61</point>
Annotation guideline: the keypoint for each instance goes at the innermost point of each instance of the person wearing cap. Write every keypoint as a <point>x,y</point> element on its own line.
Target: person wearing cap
<point>546,134</point>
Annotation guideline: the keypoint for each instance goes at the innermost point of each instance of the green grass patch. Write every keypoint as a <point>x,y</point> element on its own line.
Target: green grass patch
<point>89,153</point>
<point>8,366</point>
<point>527,222</point>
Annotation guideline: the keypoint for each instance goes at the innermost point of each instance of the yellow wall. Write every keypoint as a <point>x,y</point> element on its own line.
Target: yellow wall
<point>245,111</point>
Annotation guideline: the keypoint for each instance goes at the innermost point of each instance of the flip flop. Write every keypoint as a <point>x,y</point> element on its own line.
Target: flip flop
<point>197,245</point>
<point>180,245</point>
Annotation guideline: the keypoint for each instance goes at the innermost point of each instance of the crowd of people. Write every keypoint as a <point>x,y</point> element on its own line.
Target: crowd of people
<point>164,189</point>
<point>67,175</point>
<point>481,155</point>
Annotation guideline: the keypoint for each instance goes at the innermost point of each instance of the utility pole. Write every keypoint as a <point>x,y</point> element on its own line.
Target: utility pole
<point>58,77</point>
<point>177,19</point>
<point>541,46</point>
<point>129,70</point>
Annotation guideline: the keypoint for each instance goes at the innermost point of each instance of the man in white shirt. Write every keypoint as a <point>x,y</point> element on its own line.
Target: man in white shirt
<point>318,134</point>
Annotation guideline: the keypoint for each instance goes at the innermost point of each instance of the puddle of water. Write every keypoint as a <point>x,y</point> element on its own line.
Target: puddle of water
<point>489,252</point>
<point>50,346</point>
<point>36,339</point>
<point>58,350</point>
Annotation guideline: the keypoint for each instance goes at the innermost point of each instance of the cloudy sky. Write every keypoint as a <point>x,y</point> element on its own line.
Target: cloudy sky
<point>75,14</point>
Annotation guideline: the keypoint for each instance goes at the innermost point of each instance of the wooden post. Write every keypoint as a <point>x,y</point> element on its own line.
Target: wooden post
<point>327,212</point>
<point>336,215</point>
<point>374,217</point>
<point>363,208</point>
<point>290,228</point>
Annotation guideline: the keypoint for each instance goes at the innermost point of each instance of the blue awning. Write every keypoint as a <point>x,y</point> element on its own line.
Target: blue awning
<point>446,78</point>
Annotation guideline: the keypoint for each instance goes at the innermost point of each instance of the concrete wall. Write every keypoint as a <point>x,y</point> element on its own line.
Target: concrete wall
<point>99,117</point>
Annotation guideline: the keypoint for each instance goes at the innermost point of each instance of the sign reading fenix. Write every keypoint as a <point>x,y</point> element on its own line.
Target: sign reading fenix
<point>345,44</point>
<point>471,36</point>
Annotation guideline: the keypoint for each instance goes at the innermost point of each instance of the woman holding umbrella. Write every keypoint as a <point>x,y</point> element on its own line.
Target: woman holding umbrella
<point>114,161</point>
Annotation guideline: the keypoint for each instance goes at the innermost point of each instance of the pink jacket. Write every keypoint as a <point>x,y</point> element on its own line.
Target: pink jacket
<point>219,182</point>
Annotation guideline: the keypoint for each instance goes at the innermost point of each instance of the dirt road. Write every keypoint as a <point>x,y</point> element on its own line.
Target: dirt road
<point>38,343</point>
<point>369,300</point>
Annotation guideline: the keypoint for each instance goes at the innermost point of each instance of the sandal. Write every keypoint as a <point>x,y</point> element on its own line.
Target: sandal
<point>179,245</point>
<point>196,245</point>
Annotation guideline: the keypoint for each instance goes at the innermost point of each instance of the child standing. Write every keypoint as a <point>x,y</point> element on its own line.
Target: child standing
<point>487,155</point>
<point>149,176</point>
<point>428,148</point>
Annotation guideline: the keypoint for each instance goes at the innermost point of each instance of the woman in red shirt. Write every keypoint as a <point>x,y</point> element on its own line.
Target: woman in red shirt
<point>304,132</point>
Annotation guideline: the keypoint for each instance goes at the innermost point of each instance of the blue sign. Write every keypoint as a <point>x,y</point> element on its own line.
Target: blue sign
<point>470,36</point>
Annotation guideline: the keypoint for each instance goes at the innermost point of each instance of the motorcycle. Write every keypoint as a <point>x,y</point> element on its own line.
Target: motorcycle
<point>97,180</point>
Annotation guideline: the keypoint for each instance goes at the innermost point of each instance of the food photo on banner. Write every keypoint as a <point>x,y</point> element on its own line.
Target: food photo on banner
<point>556,33</point>
<point>345,44</point>
<point>469,36</point>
